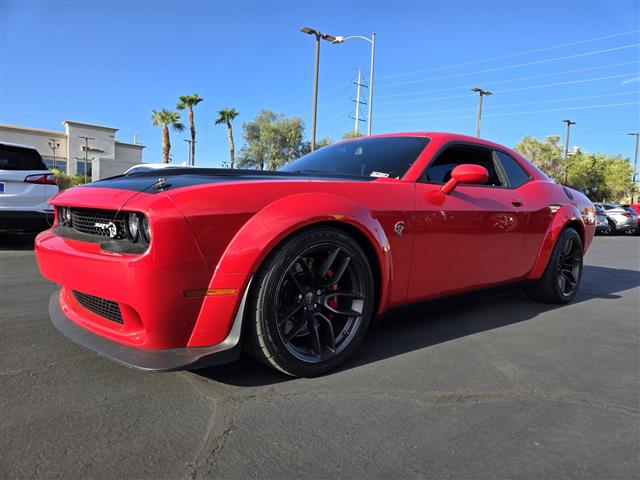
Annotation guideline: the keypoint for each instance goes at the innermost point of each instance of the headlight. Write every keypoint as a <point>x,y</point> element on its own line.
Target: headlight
<point>146,230</point>
<point>133,226</point>
<point>64,214</point>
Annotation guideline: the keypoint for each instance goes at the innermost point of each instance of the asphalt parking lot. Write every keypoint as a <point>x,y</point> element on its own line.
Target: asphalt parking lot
<point>490,386</point>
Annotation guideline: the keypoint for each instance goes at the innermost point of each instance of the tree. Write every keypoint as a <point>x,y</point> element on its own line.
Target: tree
<point>190,101</point>
<point>226,116</point>
<point>351,134</point>
<point>272,141</point>
<point>165,118</point>
<point>547,155</point>
<point>601,177</point>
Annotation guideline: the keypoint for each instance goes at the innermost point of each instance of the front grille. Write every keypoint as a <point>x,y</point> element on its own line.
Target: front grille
<point>105,308</point>
<point>103,223</point>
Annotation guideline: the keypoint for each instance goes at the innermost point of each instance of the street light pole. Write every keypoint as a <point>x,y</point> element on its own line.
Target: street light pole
<point>319,36</point>
<point>482,93</point>
<point>86,153</point>
<point>54,145</point>
<point>635,164</point>
<point>566,149</point>
<point>372,41</point>
<point>188,151</point>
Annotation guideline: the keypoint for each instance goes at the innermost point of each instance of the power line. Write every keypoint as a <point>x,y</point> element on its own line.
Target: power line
<point>511,55</point>
<point>519,89</point>
<point>493,107</point>
<point>510,114</point>
<point>509,67</point>
<point>499,82</point>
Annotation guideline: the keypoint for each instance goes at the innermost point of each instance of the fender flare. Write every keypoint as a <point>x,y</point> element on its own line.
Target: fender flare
<point>265,230</point>
<point>565,215</point>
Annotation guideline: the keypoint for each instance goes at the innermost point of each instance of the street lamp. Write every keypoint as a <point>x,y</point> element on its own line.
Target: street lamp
<point>482,94</point>
<point>635,163</point>
<point>372,41</point>
<point>566,149</point>
<point>328,38</point>
<point>54,145</point>
<point>189,157</point>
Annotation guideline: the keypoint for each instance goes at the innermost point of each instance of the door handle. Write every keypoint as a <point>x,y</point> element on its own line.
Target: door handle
<point>516,202</point>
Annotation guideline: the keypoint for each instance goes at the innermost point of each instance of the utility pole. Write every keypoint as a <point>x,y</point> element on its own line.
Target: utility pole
<point>566,149</point>
<point>86,153</point>
<point>54,145</point>
<point>370,109</point>
<point>328,38</point>
<point>482,93</point>
<point>189,150</point>
<point>635,164</point>
<point>358,102</point>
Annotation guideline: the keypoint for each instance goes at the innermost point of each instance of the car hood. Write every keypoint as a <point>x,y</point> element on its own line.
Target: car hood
<point>158,181</point>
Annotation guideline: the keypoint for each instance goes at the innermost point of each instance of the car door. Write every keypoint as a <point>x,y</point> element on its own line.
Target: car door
<point>472,237</point>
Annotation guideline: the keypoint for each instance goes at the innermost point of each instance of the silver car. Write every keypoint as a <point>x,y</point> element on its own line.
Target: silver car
<point>620,219</point>
<point>26,185</point>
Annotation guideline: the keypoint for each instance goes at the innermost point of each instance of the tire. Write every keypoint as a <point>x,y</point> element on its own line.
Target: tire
<point>310,303</point>
<point>561,279</point>
<point>612,229</point>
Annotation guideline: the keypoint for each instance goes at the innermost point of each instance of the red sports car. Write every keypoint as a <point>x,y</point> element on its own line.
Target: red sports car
<point>187,267</point>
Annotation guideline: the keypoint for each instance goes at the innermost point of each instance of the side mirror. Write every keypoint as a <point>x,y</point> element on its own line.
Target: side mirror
<point>465,174</point>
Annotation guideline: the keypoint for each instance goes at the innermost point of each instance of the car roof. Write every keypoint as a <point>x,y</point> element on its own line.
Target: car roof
<point>18,145</point>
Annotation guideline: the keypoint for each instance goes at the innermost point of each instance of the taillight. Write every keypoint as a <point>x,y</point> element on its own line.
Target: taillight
<point>627,214</point>
<point>42,179</point>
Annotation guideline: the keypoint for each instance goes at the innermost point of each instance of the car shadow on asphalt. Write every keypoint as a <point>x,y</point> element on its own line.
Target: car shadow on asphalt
<point>437,321</point>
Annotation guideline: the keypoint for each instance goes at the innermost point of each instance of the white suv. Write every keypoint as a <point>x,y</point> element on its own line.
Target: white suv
<point>26,185</point>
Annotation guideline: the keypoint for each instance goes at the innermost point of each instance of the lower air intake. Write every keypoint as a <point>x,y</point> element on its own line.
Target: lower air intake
<point>105,308</point>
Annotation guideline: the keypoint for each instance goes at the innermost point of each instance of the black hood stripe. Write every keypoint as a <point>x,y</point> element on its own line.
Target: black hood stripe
<point>161,180</point>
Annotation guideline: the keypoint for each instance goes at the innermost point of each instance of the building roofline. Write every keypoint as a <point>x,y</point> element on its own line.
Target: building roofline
<point>34,130</point>
<point>130,144</point>
<point>80,124</point>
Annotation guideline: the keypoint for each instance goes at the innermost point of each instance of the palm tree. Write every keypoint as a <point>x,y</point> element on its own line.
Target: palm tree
<point>227,115</point>
<point>190,101</point>
<point>165,118</point>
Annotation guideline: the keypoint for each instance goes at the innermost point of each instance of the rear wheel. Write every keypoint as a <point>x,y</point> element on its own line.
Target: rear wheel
<point>311,303</point>
<point>561,278</point>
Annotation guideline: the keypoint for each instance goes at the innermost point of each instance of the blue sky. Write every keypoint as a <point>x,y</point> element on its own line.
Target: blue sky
<point>111,62</point>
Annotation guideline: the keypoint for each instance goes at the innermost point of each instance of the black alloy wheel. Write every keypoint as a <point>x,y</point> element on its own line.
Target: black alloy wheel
<point>561,278</point>
<point>569,266</point>
<point>311,304</point>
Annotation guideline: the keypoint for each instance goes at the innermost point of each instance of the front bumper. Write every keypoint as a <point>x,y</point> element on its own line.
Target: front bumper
<point>147,359</point>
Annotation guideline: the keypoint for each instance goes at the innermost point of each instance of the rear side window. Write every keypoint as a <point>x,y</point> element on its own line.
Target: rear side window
<point>17,158</point>
<point>515,173</point>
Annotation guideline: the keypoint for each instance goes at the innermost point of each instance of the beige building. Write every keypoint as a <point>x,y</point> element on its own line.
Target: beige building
<point>105,155</point>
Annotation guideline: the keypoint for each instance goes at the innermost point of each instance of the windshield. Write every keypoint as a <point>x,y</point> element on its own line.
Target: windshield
<point>370,157</point>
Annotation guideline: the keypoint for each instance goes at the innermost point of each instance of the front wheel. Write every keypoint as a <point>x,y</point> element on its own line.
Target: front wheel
<point>311,303</point>
<point>561,278</point>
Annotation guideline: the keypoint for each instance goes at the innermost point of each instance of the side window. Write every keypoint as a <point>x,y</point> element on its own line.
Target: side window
<point>439,170</point>
<point>515,173</point>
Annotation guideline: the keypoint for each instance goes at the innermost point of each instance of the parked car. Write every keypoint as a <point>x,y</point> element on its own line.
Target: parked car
<point>187,269</point>
<point>26,185</point>
<point>621,219</point>
<point>636,208</point>
<point>602,222</point>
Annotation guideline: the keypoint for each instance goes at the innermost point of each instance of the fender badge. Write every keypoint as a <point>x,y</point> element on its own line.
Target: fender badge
<point>398,228</point>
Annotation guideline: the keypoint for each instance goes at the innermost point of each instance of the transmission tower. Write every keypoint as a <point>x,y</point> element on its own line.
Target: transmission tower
<point>358,101</point>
